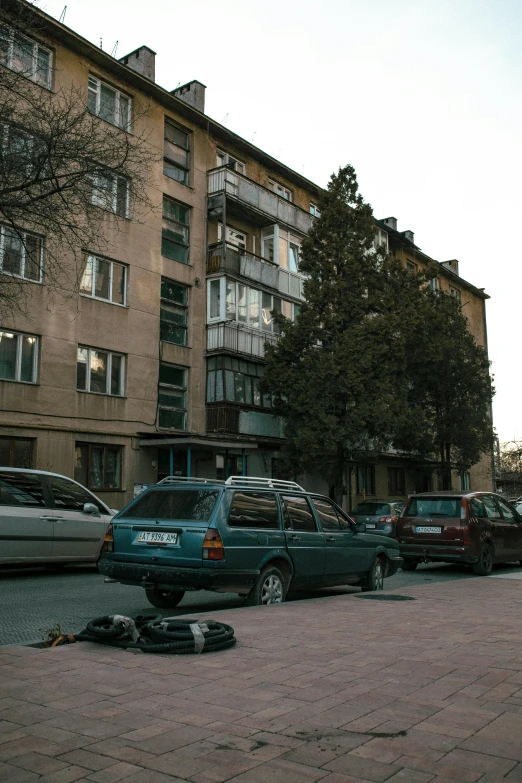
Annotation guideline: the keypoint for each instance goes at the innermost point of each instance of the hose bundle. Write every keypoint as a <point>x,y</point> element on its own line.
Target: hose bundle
<point>157,634</point>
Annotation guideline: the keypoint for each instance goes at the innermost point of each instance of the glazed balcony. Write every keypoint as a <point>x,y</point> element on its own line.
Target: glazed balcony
<point>231,336</point>
<point>224,257</point>
<point>258,202</point>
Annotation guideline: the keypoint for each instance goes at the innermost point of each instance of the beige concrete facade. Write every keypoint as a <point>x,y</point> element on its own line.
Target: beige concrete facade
<point>249,193</point>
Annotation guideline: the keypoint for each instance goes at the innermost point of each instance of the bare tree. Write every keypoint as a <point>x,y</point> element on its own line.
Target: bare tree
<point>62,159</point>
<point>509,469</point>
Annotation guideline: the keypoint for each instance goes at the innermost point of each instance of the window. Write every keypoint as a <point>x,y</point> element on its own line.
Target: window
<point>232,237</point>
<point>224,159</point>
<point>21,254</point>
<point>507,513</point>
<point>104,279</point>
<point>21,152</point>
<point>235,380</point>
<point>254,510</point>
<point>111,193</point>
<point>109,103</point>
<point>100,372</point>
<point>229,300</point>
<point>411,267</point>
<point>98,467</point>
<point>396,481</point>
<point>175,232</point>
<point>173,312</point>
<point>26,56</point>
<point>280,190</point>
<point>477,508</point>
<point>184,504</point>
<point>435,284</point>
<point>381,239</point>
<point>172,397</point>
<point>17,452</point>
<point>328,516</point>
<point>68,496</point>
<point>491,508</point>
<point>18,357</point>
<point>448,508</point>
<point>176,147</point>
<point>21,489</point>
<point>314,211</point>
<point>365,476</point>
<point>465,482</point>
<point>298,514</point>
<point>455,293</point>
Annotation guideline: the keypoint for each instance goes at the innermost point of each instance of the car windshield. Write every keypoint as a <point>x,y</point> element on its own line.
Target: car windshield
<point>433,507</point>
<point>372,509</point>
<point>180,504</point>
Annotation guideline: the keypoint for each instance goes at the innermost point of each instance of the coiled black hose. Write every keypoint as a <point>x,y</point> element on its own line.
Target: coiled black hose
<point>154,634</point>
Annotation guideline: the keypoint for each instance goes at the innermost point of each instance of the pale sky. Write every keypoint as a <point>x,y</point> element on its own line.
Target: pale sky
<point>422,97</point>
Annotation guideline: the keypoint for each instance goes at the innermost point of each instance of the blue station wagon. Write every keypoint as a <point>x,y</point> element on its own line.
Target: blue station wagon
<point>255,537</point>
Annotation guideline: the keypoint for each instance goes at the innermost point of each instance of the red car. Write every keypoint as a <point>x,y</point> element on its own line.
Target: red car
<point>478,528</point>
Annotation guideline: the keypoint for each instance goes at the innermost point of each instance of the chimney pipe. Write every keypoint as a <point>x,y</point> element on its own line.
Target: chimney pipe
<point>141,60</point>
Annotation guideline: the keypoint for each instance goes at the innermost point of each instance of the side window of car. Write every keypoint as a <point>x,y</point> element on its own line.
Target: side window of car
<point>68,496</point>
<point>477,508</point>
<point>507,513</point>
<point>255,510</point>
<point>327,514</point>
<point>492,510</point>
<point>21,489</point>
<point>298,514</point>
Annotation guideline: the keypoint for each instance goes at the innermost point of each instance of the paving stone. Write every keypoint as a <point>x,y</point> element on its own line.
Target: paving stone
<point>37,762</point>
<point>114,773</point>
<point>367,769</point>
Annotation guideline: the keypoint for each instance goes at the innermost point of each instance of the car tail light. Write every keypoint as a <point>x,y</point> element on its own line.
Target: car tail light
<point>108,541</point>
<point>388,520</point>
<point>213,548</point>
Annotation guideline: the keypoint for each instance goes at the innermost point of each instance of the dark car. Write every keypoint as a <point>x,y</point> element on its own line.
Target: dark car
<point>479,528</point>
<point>254,537</point>
<point>379,516</point>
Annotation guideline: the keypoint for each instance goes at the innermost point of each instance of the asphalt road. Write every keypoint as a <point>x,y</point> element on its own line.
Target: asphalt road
<point>34,600</point>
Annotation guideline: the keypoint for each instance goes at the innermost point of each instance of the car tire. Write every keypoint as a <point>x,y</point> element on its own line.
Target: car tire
<point>270,588</point>
<point>163,599</point>
<point>375,579</point>
<point>484,565</point>
<point>409,565</point>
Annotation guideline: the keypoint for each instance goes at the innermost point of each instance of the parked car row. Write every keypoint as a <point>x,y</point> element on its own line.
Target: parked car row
<point>256,537</point>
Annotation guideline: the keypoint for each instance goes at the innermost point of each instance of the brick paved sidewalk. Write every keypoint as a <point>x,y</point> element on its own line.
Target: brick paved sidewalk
<point>338,690</point>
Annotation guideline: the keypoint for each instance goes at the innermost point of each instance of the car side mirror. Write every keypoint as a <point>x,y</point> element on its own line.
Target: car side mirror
<point>360,527</point>
<point>90,508</point>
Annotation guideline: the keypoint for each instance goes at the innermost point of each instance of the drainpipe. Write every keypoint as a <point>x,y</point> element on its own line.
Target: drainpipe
<point>171,461</point>
<point>189,459</point>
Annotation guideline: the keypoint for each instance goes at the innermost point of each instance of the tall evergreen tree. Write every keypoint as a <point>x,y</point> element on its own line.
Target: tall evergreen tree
<point>334,373</point>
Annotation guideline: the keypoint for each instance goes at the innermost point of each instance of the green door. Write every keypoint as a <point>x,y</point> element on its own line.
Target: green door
<point>305,543</point>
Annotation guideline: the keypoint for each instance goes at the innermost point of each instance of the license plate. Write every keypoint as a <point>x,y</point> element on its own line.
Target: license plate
<point>370,526</point>
<point>427,529</point>
<point>154,537</point>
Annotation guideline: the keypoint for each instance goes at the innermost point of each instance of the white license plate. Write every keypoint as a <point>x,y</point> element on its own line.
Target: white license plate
<point>427,529</point>
<point>154,537</point>
<point>370,526</point>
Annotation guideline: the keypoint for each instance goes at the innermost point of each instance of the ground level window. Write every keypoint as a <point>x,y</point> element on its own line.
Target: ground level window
<point>97,466</point>
<point>396,481</point>
<point>17,452</point>
<point>365,475</point>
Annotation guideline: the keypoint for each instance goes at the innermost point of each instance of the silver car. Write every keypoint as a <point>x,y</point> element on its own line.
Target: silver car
<point>379,516</point>
<point>49,518</point>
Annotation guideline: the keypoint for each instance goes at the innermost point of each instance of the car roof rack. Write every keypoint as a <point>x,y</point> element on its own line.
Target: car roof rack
<point>187,479</point>
<point>252,481</point>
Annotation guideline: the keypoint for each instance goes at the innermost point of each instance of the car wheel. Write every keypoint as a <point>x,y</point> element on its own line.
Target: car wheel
<point>270,588</point>
<point>375,579</point>
<point>164,599</point>
<point>484,564</point>
<point>409,565</point>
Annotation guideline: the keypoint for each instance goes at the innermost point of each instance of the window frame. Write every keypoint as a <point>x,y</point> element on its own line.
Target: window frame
<point>92,257</point>
<point>230,161</point>
<point>18,360</point>
<point>23,253</point>
<point>117,93</point>
<point>362,481</point>
<point>174,387</point>
<point>226,373</point>
<point>185,226</point>
<point>273,184</point>
<point>434,284</point>
<point>110,355</point>
<point>12,441</point>
<point>225,285</point>
<point>455,293</point>
<point>105,447</point>
<point>101,202</point>
<point>174,304</point>
<point>174,163</point>
<point>395,486</point>
<point>12,32</point>
<point>314,211</point>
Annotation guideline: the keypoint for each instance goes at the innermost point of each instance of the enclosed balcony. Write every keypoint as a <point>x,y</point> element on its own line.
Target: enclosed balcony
<point>254,200</point>
<point>231,336</point>
<point>224,257</point>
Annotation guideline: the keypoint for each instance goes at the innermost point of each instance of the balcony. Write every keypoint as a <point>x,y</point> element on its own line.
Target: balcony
<point>224,257</point>
<point>234,420</point>
<point>231,336</point>
<point>262,202</point>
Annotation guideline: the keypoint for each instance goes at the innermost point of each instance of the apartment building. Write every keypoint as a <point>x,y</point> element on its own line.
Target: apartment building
<point>154,368</point>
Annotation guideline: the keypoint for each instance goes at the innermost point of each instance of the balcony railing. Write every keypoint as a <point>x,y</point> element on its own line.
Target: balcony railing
<point>261,199</point>
<point>223,418</point>
<point>235,337</point>
<point>229,258</point>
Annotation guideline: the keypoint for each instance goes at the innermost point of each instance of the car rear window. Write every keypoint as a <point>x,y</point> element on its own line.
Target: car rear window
<point>372,509</point>
<point>433,507</point>
<point>180,504</point>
